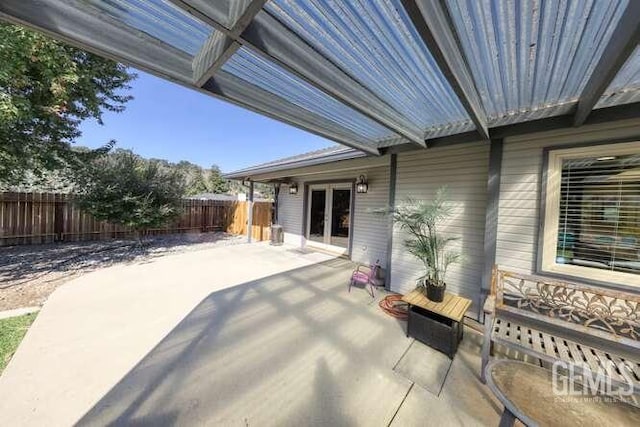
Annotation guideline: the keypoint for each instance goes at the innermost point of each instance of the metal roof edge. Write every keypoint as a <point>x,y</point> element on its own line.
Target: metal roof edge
<point>294,164</point>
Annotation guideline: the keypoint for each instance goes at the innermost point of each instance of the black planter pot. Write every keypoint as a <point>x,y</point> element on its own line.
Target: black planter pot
<point>435,293</point>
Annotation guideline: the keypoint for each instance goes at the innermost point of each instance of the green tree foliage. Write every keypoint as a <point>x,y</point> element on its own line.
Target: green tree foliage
<point>126,189</point>
<point>193,176</point>
<point>46,90</point>
<point>217,184</point>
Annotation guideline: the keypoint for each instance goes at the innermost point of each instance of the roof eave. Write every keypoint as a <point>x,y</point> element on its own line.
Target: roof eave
<point>251,173</point>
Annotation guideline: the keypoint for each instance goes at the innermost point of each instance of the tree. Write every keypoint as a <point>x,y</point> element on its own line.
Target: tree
<point>193,175</point>
<point>197,185</point>
<point>126,189</point>
<point>217,184</point>
<point>46,90</point>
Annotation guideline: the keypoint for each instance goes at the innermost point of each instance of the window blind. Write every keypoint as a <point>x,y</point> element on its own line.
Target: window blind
<point>599,223</point>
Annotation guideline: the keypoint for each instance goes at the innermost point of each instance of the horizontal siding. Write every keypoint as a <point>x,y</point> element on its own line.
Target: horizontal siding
<point>369,229</point>
<point>289,215</point>
<point>520,187</point>
<point>464,170</point>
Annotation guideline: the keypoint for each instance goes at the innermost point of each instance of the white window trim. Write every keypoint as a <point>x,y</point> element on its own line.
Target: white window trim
<point>551,218</point>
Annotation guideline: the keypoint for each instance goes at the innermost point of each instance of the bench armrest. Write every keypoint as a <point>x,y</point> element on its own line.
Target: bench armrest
<point>489,304</point>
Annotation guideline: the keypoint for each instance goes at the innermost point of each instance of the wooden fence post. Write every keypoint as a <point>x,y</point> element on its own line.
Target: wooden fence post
<point>58,217</point>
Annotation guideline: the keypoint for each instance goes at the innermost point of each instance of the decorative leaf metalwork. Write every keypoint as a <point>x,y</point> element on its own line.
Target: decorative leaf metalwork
<point>615,315</point>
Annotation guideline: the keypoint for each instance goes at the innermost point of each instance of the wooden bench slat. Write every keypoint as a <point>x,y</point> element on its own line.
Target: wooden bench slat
<point>576,352</point>
<point>635,366</point>
<point>536,340</point>
<point>502,330</point>
<point>550,347</point>
<point>606,359</point>
<point>562,348</point>
<point>592,360</point>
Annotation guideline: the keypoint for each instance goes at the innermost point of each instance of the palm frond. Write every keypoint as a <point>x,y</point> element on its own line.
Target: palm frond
<point>421,219</point>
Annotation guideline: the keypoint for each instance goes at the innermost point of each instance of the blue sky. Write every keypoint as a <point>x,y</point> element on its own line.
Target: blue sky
<point>172,122</point>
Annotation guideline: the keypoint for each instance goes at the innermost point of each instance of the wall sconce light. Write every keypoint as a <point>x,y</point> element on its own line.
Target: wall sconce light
<point>361,185</point>
<point>293,188</point>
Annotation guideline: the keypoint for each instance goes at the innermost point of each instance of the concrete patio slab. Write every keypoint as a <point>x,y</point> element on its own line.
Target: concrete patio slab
<point>243,335</point>
<point>93,330</point>
<point>463,400</point>
<point>424,366</point>
<point>294,348</point>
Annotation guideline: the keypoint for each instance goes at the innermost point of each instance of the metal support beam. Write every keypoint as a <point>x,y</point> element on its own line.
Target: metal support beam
<point>276,203</point>
<point>256,99</point>
<point>393,174</point>
<point>81,25</point>
<point>268,37</point>
<point>601,115</point>
<point>214,53</point>
<point>222,45</point>
<point>432,21</point>
<point>250,213</point>
<point>624,40</point>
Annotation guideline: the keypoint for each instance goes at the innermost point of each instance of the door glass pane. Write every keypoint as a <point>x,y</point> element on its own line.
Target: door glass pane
<point>316,217</point>
<point>340,210</point>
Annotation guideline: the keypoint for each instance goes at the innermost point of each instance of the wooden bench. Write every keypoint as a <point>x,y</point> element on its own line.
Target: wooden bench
<point>584,326</point>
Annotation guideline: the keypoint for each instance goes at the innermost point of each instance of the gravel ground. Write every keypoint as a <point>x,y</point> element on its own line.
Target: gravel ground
<point>29,274</point>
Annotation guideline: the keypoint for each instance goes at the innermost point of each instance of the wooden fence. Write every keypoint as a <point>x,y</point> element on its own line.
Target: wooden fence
<point>36,218</point>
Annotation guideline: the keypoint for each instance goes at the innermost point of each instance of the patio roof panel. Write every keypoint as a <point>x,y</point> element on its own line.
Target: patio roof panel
<point>240,92</point>
<point>533,56</point>
<point>225,13</point>
<point>159,19</point>
<point>256,70</point>
<point>375,43</point>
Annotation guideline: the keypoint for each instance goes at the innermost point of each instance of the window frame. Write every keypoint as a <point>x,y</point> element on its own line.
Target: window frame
<point>550,210</point>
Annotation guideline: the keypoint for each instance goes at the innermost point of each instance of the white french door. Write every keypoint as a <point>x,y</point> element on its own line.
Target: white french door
<point>329,217</point>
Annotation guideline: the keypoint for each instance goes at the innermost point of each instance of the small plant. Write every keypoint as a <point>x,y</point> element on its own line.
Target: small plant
<point>421,220</point>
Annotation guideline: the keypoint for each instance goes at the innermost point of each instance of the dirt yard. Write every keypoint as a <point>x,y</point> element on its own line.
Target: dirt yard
<point>29,274</point>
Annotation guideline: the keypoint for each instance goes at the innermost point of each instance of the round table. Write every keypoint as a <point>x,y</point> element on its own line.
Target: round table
<point>527,394</point>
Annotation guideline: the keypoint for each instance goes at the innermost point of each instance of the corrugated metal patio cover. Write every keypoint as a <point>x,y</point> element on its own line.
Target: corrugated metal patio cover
<point>371,74</point>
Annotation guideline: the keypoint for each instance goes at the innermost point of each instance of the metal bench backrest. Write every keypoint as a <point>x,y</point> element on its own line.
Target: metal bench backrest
<point>604,313</point>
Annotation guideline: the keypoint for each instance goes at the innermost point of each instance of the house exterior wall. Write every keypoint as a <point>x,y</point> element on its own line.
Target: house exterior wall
<point>290,214</point>
<point>521,184</point>
<point>463,169</point>
<point>369,230</point>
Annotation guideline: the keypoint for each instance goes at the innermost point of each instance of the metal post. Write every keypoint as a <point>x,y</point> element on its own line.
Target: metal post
<point>393,172</point>
<point>250,213</point>
<point>276,201</point>
<point>491,216</point>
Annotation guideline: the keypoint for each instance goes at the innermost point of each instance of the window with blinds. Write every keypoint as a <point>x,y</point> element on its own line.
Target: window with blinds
<point>591,214</point>
<point>598,212</point>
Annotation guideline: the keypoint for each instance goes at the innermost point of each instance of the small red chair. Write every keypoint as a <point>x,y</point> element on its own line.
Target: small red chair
<point>365,275</point>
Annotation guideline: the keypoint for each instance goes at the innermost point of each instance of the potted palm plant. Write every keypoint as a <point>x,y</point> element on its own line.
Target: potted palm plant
<point>421,221</point>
